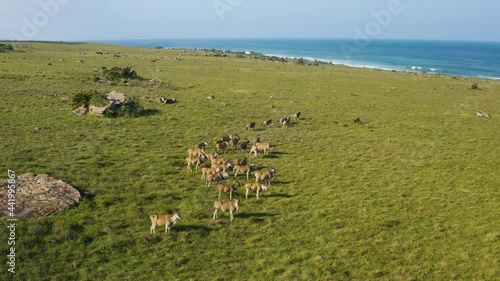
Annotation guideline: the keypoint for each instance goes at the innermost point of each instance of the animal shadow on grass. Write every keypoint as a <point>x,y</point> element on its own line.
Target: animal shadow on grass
<point>255,214</point>
<point>149,112</point>
<point>275,182</point>
<point>193,228</point>
<point>255,217</point>
<point>275,154</point>
<point>281,195</point>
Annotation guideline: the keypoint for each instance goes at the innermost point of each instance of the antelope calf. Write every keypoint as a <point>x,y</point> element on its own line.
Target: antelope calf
<point>243,145</point>
<point>225,187</point>
<point>201,145</point>
<point>234,142</point>
<point>265,175</point>
<point>267,123</point>
<point>254,186</point>
<point>285,121</point>
<point>231,206</point>
<point>250,126</point>
<point>167,220</point>
<point>221,145</point>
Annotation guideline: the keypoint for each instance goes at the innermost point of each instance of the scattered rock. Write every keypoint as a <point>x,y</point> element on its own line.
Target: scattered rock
<point>481,113</point>
<point>210,97</point>
<point>116,96</point>
<point>38,195</point>
<point>82,110</point>
<point>167,100</point>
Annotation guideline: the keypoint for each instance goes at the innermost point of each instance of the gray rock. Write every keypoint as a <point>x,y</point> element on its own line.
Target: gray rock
<point>38,195</point>
<point>116,96</point>
<point>82,110</point>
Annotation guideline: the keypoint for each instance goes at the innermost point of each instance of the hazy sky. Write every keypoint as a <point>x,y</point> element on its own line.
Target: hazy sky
<point>159,19</point>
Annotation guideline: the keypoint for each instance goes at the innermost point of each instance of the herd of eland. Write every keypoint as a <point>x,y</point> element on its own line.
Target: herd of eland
<point>217,169</point>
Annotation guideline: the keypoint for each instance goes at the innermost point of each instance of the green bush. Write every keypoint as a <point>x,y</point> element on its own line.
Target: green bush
<point>6,48</point>
<point>117,73</point>
<point>85,98</point>
<point>129,73</point>
<point>130,108</point>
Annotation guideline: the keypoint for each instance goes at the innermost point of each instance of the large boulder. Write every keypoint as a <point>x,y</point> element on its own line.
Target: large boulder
<point>38,195</point>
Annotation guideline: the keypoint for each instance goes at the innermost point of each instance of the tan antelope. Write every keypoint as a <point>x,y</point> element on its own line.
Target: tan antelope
<point>222,167</point>
<point>193,161</point>
<point>240,161</point>
<point>167,220</point>
<point>259,147</point>
<point>243,169</point>
<point>254,186</point>
<point>265,175</point>
<point>212,156</point>
<point>217,177</point>
<point>196,152</point>
<point>225,187</point>
<point>231,206</point>
<point>207,171</point>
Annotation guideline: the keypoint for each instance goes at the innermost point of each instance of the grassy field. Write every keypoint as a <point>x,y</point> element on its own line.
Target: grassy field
<point>387,176</point>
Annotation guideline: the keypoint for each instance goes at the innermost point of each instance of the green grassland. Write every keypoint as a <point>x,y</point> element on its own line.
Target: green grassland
<point>409,191</point>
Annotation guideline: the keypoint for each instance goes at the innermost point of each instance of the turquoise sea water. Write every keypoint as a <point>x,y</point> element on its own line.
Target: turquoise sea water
<point>462,58</point>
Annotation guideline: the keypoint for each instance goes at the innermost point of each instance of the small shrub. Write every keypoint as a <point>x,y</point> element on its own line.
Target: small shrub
<point>130,108</point>
<point>358,121</point>
<point>98,99</point>
<point>474,86</point>
<point>129,73</point>
<point>6,48</point>
<point>83,98</point>
<point>113,74</point>
<point>117,73</point>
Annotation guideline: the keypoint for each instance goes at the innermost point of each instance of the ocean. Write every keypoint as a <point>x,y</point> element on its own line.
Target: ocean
<point>461,58</point>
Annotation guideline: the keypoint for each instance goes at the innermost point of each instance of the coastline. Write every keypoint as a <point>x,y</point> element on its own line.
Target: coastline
<point>311,61</point>
<point>412,69</point>
<point>456,58</point>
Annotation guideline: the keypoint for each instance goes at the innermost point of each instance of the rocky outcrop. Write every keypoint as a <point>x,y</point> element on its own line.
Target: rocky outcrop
<point>38,195</point>
<point>99,110</point>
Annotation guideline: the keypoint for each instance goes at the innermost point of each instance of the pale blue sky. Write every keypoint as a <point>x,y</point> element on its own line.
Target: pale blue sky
<point>159,19</point>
